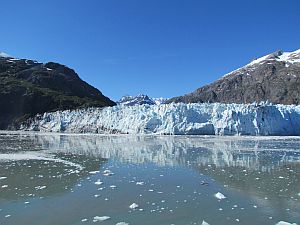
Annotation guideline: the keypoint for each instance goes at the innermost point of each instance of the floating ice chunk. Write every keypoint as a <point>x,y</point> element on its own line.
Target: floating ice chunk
<point>94,172</point>
<point>139,183</point>
<point>36,156</point>
<point>40,187</point>
<point>204,223</point>
<point>84,220</point>
<point>6,216</point>
<point>107,173</point>
<point>113,186</point>
<point>2,178</point>
<point>98,182</point>
<point>285,223</point>
<point>100,218</point>
<point>4,186</point>
<point>122,223</point>
<point>133,206</point>
<point>220,196</point>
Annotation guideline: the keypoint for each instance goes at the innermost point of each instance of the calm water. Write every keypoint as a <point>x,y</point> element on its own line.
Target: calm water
<point>83,179</point>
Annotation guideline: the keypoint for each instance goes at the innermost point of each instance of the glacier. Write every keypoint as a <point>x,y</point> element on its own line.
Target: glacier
<point>174,119</point>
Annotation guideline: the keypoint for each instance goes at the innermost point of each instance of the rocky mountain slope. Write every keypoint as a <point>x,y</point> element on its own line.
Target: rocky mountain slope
<point>274,78</point>
<point>28,87</point>
<point>140,99</point>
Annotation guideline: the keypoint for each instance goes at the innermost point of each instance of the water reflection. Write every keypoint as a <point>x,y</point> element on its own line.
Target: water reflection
<point>252,172</point>
<point>263,154</point>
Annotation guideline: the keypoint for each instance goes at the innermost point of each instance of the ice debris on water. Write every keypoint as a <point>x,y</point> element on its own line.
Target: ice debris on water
<point>122,223</point>
<point>204,223</point>
<point>133,206</point>
<point>285,223</point>
<point>107,173</point>
<point>100,218</point>
<point>220,196</point>
<point>98,182</point>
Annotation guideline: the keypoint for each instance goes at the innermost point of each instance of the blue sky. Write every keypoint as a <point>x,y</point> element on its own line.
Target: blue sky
<point>163,48</point>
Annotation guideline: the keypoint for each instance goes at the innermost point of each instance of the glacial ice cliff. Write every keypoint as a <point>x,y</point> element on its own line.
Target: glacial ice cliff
<point>180,118</point>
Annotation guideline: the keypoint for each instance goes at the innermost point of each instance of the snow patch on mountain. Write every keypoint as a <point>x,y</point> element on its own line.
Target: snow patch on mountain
<point>181,119</point>
<point>288,57</point>
<point>140,100</point>
<point>280,56</point>
<point>4,55</point>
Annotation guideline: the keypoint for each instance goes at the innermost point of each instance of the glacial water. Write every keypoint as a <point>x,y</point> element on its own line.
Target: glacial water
<point>52,179</point>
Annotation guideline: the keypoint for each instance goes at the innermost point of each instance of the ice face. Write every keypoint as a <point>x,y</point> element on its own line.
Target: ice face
<point>201,119</point>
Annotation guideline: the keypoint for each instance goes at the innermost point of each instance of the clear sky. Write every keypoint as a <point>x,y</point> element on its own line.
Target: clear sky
<point>163,48</point>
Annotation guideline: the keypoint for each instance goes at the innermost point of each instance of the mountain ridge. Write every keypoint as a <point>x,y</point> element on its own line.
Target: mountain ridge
<point>274,78</point>
<point>28,87</point>
<point>140,99</point>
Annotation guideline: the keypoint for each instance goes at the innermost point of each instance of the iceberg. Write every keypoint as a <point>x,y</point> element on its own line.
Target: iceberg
<point>174,119</point>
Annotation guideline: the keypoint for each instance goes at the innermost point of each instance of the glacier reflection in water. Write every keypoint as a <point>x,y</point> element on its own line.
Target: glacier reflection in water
<point>173,179</point>
<point>250,152</point>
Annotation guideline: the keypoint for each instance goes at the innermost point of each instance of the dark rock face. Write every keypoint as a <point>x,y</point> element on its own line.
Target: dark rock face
<point>274,78</point>
<point>28,88</point>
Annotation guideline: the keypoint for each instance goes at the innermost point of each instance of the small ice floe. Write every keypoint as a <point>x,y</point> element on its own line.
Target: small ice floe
<point>204,183</point>
<point>139,183</point>
<point>96,196</point>
<point>94,172</point>
<point>98,182</point>
<point>40,187</point>
<point>6,216</point>
<point>4,186</point>
<point>107,173</point>
<point>204,223</point>
<point>113,186</point>
<point>122,223</point>
<point>220,196</point>
<point>100,218</point>
<point>285,223</point>
<point>26,203</point>
<point>2,178</point>
<point>133,206</point>
<point>84,220</point>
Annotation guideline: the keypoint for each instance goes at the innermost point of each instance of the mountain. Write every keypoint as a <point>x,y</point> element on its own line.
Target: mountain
<point>28,87</point>
<point>140,99</point>
<point>274,78</point>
